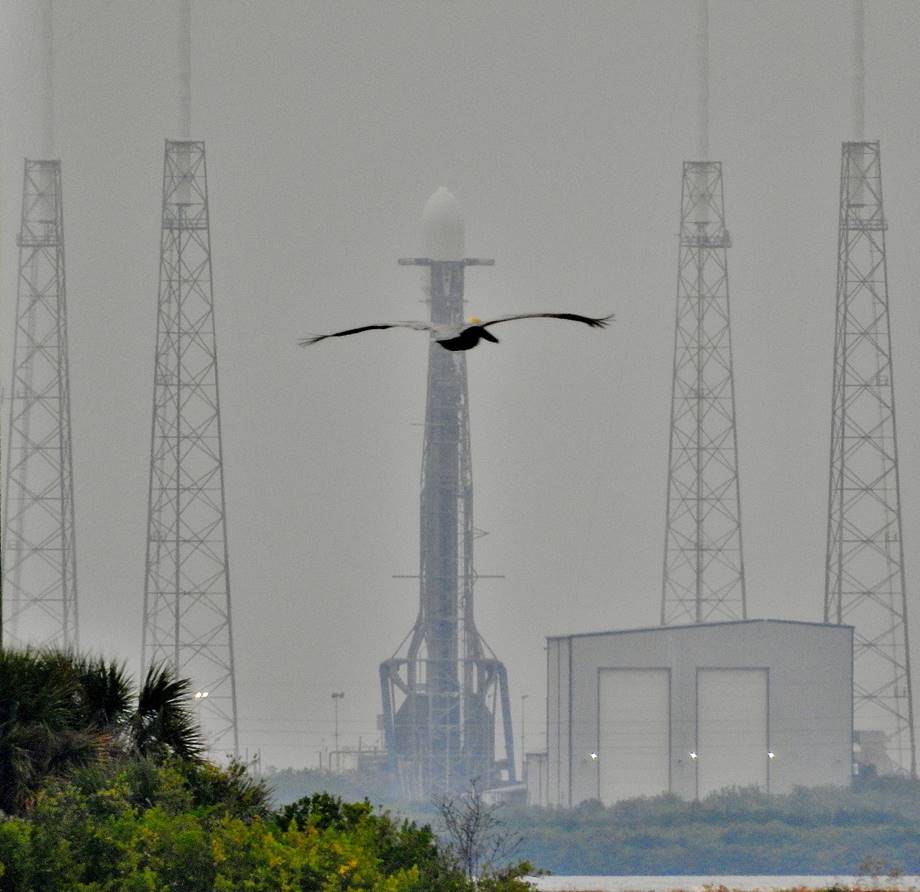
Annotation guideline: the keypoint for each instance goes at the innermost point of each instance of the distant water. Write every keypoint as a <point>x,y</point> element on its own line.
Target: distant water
<point>699,884</point>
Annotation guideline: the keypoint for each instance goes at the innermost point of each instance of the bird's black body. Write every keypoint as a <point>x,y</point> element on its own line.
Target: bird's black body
<point>467,339</point>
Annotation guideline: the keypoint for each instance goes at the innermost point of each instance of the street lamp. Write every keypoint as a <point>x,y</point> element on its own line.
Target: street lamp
<point>336,696</point>
<point>198,697</point>
<point>523,737</point>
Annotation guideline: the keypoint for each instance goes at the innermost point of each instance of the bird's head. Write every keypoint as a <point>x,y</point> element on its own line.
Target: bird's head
<point>474,320</point>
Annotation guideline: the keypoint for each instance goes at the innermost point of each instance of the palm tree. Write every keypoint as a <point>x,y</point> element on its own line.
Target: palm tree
<point>60,711</point>
<point>104,690</point>
<point>163,722</point>
<point>41,732</point>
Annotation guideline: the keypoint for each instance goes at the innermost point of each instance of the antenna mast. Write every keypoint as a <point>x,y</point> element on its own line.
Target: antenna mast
<point>865,581</point>
<point>39,566</point>
<point>187,616</point>
<point>703,579</point>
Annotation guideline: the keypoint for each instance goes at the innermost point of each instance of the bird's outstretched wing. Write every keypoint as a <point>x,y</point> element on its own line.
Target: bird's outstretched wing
<point>602,322</point>
<point>417,326</point>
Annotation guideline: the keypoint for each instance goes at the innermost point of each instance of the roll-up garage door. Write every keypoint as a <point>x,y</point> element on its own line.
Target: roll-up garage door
<point>731,729</point>
<point>634,739</point>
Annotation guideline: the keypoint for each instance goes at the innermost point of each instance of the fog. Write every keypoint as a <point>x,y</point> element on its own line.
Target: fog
<point>561,130</point>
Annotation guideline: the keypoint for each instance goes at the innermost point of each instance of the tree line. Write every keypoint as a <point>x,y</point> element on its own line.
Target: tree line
<point>104,787</point>
<point>828,831</point>
<point>873,828</point>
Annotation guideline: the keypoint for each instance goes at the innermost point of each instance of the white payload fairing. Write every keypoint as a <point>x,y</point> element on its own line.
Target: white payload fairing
<point>442,227</point>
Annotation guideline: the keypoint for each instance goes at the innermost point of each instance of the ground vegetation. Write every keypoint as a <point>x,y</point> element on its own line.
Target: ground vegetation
<point>105,789</point>
<point>826,831</point>
<point>871,829</point>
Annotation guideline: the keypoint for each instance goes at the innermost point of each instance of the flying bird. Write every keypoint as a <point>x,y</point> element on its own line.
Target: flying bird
<point>463,335</point>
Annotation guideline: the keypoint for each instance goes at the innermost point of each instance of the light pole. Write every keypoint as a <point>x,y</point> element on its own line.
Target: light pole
<point>523,747</point>
<point>199,696</point>
<point>336,696</point>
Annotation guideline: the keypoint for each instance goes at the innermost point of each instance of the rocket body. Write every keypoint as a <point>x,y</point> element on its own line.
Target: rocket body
<point>440,697</point>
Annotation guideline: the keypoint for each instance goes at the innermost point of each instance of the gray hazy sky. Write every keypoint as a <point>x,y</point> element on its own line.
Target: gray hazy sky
<point>561,128</point>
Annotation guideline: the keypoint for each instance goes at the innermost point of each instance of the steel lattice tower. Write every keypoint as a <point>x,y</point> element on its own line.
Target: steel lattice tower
<point>187,620</point>
<point>40,574</point>
<point>865,584</point>
<point>703,563</point>
<point>441,697</point>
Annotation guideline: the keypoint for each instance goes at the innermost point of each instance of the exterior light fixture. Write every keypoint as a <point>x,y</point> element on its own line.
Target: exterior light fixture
<point>200,695</point>
<point>693,755</point>
<point>771,755</point>
<point>593,757</point>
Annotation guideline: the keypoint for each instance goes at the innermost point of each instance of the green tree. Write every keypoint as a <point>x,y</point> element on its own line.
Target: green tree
<point>129,831</point>
<point>105,690</point>
<point>106,790</point>
<point>163,722</point>
<point>40,728</point>
<point>60,711</point>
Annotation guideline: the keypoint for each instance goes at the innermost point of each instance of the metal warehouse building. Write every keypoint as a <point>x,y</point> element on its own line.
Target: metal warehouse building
<point>692,709</point>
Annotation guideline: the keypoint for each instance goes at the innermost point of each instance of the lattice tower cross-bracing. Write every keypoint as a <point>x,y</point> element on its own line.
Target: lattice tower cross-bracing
<point>865,581</point>
<point>40,572</point>
<point>187,616</point>
<point>703,579</point>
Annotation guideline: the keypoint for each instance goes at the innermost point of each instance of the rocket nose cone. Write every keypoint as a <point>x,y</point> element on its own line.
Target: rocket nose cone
<point>442,227</point>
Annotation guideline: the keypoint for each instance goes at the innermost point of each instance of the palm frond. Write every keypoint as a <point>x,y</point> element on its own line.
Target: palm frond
<point>164,721</point>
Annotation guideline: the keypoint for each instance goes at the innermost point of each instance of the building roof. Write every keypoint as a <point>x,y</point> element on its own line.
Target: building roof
<point>737,622</point>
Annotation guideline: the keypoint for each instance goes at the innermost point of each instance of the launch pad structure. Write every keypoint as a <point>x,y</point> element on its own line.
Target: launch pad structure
<point>187,622</point>
<point>39,540</point>
<point>445,690</point>
<point>187,619</point>
<point>865,581</point>
<point>40,572</point>
<point>703,579</point>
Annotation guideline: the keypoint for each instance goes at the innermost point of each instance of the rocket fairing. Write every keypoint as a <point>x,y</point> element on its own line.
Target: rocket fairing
<point>442,227</point>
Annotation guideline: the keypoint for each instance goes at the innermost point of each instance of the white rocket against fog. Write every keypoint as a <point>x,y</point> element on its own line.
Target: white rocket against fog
<point>444,692</point>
